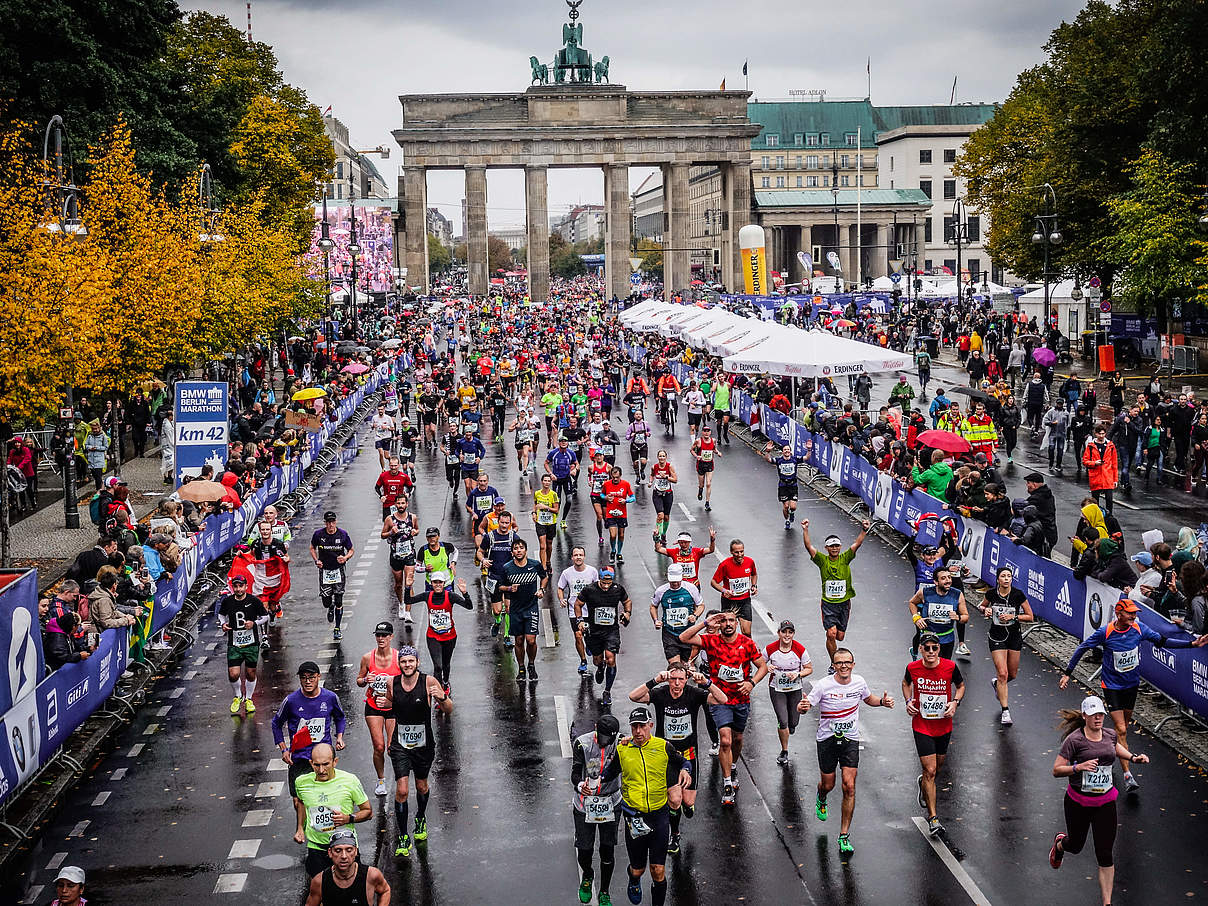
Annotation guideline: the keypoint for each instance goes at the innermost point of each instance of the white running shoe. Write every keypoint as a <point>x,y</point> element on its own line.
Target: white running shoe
<point>407,618</point>
<point>1006,717</point>
<point>380,789</point>
<point>963,650</point>
<point>715,749</point>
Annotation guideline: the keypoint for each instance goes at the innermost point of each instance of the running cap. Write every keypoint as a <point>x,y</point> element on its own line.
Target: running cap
<point>608,725</point>
<point>72,873</point>
<point>406,418</point>
<point>928,637</point>
<point>1093,704</point>
<point>684,536</point>
<point>640,715</point>
<point>384,628</point>
<point>786,624</point>
<point>931,550</point>
<point>408,651</point>
<point>499,500</point>
<point>1128,605</point>
<point>329,516</point>
<point>239,580</point>
<point>433,532</point>
<point>1145,558</point>
<point>675,572</point>
<point>342,837</point>
<point>439,576</point>
<point>308,667</point>
<point>607,572</point>
<point>832,539</point>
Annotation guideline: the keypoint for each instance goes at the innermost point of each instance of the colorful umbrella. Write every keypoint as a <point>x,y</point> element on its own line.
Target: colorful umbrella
<point>1044,356</point>
<point>944,440</point>
<point>202,491</point>
<point>310,393</point>
<point>355,368</point>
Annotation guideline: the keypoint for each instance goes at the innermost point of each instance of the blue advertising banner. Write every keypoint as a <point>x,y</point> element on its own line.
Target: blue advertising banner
<point>20,636</point>
<point>202,427</point>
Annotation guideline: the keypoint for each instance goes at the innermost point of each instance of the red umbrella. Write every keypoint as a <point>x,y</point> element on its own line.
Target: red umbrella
<point>944,440</point>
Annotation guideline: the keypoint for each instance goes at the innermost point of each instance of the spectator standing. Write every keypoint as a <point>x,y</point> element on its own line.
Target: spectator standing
<point>140,421</point>
<point>96,446</point>
<point>21,458</point>
<point>1102,467</point>
<point>1057,426</point>
<point>1040,495</point>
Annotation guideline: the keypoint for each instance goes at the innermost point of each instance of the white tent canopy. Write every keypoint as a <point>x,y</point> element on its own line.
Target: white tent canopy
<point>742,336</point>
<point>719,322</point>
<point>642,309</point>
<point>686,317</point>
<point>814,353</point>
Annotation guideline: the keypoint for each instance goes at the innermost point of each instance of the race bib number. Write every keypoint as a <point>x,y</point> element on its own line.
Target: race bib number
<point>1002,614</point>
<point>317,727</point>
<point>321,818</point>
<point>834,588</point>
<point>1127,661</point>
<point>469,459</point>
<point>404,547</point>
<point>605,616</point>
<point>939,612</point>
<point>440,620</point>
<point>843,727</point>
<point>491,585</point>
<point>931,706</point>
<point>608,450</point>
<point>729,674</point>
<point>412,736</point>
<point>689,567</point>
<point>379,685</point>
<point>739,586</point>
<point>405,452</point>
<point>331,576</point>
<point>788,469</point>
<point>706,456</point>
<point>243,637</point>
<point>784,682</point>
<point>616,512</point>
<point>598,809</point>
<point>678,726</point>
<point>662,484</point>
<point>452,459</point>
<point>545,517</point>
<point>1098,781</point>
<point>677,617</point>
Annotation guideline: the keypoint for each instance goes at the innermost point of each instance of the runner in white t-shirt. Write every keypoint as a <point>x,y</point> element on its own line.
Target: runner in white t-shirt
<point>695,401</point>
<point>838,699</point>
<point>788,664</point>
<point>573,580</point>
<point>383,427</point>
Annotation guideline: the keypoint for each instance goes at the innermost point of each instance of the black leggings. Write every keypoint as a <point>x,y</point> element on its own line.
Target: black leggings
<point>1099,819</point>
<point>1106,494</point>
<point>565,490</point>
<point>442,657</point>
<point>453,475</point>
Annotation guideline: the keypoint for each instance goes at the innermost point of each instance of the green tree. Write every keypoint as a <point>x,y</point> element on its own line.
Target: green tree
<point>499,256</point>
<point>1155,243</point>
<point>461,252</point>
<point>651,254</point>
<point>439,258</point>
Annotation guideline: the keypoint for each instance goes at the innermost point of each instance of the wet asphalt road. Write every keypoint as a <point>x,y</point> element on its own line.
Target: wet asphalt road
<point>190,808</point>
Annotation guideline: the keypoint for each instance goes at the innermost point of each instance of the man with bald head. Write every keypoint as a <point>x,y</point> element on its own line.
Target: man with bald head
<point>331,798</point>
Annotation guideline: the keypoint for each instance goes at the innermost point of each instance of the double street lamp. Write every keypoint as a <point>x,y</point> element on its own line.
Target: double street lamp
<point>326,245</point>
<point>957,234</point>
<point>1047,234</point>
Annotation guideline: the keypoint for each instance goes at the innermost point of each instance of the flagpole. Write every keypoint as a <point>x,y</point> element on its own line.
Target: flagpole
<point>859,210</point>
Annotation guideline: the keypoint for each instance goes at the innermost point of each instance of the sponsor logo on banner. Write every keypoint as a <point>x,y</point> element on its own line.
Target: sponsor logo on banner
<point>22,654</point>
<point>52,710</point>
<point>883,496</point>
<point>1199,678</point>
<point>1062,603</point>
<point>77,693</point>
<point>836,464</point>
<point>1165,658</point>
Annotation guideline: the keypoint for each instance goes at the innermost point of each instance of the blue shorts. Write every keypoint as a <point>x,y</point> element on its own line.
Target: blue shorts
<point>523,622</point>
<point>732,716</point>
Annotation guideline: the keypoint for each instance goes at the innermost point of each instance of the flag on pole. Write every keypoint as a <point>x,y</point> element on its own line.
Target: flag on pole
<point>952,98</point>
<point>744,67</point>
<point>723,85</point>
<point>328,110</point>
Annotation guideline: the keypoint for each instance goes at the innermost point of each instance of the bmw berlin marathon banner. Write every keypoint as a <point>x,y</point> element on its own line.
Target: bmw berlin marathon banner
<point>201,427</point>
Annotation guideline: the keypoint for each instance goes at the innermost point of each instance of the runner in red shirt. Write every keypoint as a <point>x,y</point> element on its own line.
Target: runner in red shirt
<point>391,483</point>
<point>736,666</point>
<point>737,580</point>
<point>686,555</point>
<point>704,451</point>
<point>617,495</point>
<point>932,689</point>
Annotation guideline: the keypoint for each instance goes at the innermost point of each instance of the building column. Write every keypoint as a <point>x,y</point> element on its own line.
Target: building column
<point>415,239</point>
<point>677,273</point>
<point>847,244</point>
<point>740,215</point>
<point>619,220</point>
<point>879,266</point>
<point>806,245</point>
<point>476,230</point>
<point>536,202</point>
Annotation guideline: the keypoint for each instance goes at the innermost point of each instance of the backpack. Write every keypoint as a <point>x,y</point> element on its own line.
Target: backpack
<point>97,510</point>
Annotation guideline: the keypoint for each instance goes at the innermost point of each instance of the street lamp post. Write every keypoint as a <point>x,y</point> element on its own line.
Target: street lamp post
<point>62,202</point>
<point>325,246</point>
<point>958,235</point>
<point>1046,234</point>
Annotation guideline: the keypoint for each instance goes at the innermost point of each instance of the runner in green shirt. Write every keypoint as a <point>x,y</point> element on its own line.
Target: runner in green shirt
<point>834,565</point>
<point>721,410</point>
<point>331,799</point>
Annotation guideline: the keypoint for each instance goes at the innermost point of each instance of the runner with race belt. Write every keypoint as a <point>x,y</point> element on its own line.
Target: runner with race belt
<point>674,606</point>
<point>331,548</point>
<point>595,806</point>
<point>932,688</point>
<point>834,568</point>
<point>663,479</point>
<point>938,609</point>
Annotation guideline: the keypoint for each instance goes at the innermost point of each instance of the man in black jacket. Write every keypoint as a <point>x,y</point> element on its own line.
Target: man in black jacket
<point>1040,495</point>
<point>88,563</point>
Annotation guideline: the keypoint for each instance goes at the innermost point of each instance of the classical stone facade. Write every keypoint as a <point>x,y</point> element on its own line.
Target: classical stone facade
<point>577,125</point>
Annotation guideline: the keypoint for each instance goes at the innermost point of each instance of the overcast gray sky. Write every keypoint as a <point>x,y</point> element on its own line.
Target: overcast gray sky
<point>359,55</point>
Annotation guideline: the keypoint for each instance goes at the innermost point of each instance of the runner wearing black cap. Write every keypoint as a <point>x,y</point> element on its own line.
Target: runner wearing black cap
<point>932,688</point>
<point>378,669</point>
<point>605,607</point>
<point>243,618</point>
<point>330,548</point>
<point>595,805</point>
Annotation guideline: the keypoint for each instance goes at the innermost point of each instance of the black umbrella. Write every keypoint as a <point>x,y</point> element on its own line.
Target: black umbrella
<point>974,393</point>
<point>374,344</point>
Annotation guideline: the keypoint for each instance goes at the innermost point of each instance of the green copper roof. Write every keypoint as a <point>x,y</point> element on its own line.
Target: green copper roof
<point>838,118</point>
<point>799,198</point>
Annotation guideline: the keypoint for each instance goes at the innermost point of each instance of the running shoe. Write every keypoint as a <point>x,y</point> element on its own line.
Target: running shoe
<point>606,698</point>
<point>727,795</point>
<point>421,829</point>
<point>922,798</point>
<point>532,677</point>
<point>600,673</point>
<point>714,749</point>
<point>962,650</point>
<point>934,828</point>
<point>585,889</point>
<point>673,845</point>
<point>404,845</point>
<point>401,611</point>
<point>820,809</point>
<point>249,706</point>
<point>688,810</point>
<point>583,668</point>
<point>1006,717</point>
<point>634,889</point>
<point>708,506</point>
<point>782,758</point>
<point>521,675</point>
<point>788,524</point>
<point>407,618</point>
<point>620,557</point>
<point>337,634</point>
<point>734,777</point>
<point>331,614</point>
<point>509,642</point>
<point>845,847</point>
<point>380,789</point>
<point>1130,782</point>
<point>700,493</point>
<point>235,704</point>
<point>1055,854</point>
<point>495,629</point>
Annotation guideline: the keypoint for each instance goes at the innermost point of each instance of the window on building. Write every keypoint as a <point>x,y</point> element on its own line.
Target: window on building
<point>773,140</point>
<point>950,188</point>
<point>797,139</point>
<point>974,228</point>
<point>825,181</point>
<point>780,162</point>
<point>924,155</point>
<point>779,182</point>
<point>850,139</point>
<point>811,161</point>
<point>975,270</point>
<point>339,169</point>
<point>844,161</point>
<point>765,162</point>
<point>927,235</point>
<point>826,162</point>
<point>339,190</point>
<point>950,263</point>
<point>767,182</point>
<point>949,155</point>
<point>928,264</point>
<point>949,222</point>
<point>798,161</point>
<point>811,182</point>
<point>811,141</point>
<point>925,187</point>
<point>860,179</point>
<point>824,139</point>
<point>843,180</point>
<point>798,182</point>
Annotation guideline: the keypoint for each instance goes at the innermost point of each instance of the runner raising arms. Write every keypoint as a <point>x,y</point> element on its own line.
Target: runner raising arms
<point>662,480</point>
<point>834,566</point>
<point>1005,607</point>
<point>704,451</point>
<point>378,667</point>
<point>932,688</point>
<point>442,634</point>
<point>838,700</point>
<point>786,479</point>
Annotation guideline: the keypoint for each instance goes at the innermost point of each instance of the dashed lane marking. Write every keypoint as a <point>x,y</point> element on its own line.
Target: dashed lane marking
<point>563,724</point>
<point>269,789</point>
<point>231,883</point>
<point>35,893</point>
<point>163,712</point>
<point>190,674</point>
<point>102,798</point>
<point>277,764</point>
<point>135,750</point>
<point>547,627</point>
<point>78,830</point>
<point>687,514</point>
<point>199,661</point>
<point>949,860</point>
<point>258,817</point>
<point>119,774</point>
<point>177,693</point>
<point>56,861</point>
<point>244,849</point>
<point>151,728</point>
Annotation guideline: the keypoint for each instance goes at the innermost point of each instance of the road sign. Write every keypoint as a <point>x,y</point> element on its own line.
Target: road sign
<point>1105,305</point>
<point>201,427</point>
<point>65,413</point>
<point>635,279</point>
<point>896,278</point>
<point>635,263</point>
<point>1094,282</point>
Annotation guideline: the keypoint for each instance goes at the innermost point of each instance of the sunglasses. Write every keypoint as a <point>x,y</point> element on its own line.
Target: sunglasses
<point>929,648</point>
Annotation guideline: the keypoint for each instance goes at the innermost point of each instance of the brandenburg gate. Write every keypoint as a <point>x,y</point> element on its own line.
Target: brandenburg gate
<point>573,116</point>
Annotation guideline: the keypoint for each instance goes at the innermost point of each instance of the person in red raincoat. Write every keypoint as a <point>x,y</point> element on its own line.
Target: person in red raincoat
<point>1102,466</point>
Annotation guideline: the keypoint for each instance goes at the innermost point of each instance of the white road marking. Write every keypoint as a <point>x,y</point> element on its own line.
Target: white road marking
<point>949,860</point>
<point>135,750</point>
<point>563,723</point>
<point>211,646</point>
<point>102,798</point>
<point>689,516</point>
<point>151,728</point>
<point>177,693</point>
<point>258,817</point>
<point>35,893</point>
<point>277,764</point>
<point>199,661</point>
<point>190,674</point>
<point>360,572</point>
<point>231,883</point>
<point>1127,506</point>
<point>119,774</point>
<point>78,830</point>
<point>163,712</point>
<point>269,789</point>
<point>244,849</point>
<point>547,627</point>
<point>56,861</point>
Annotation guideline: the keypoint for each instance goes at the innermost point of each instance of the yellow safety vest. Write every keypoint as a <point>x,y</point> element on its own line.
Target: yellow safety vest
<point>644,773</point>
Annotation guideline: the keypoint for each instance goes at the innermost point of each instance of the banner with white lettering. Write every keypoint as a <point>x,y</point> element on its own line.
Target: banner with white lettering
<point>202,427</point>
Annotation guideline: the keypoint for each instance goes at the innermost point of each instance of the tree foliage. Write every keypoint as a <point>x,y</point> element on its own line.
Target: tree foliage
<point>439,257</point>
<point>499,255</point>
<point>651,254</point>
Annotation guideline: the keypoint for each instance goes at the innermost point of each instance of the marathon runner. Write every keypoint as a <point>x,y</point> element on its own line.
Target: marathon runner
<point>495,552</point>
<point>449,446</point>
<point>834,568</point>
<point>786,479</point>
<point>638,436</point>
<point>383,426</point>
<point>721,410</point>
<point>731,658</point>
<point>527,432</point>
<point>595,805</point>
<point>399,529</point>
<point>243,620</point>
<point>1005,607</point>
<point>618,494</point>
<point>686,555</point>
<point>409,698</point>
<point>406,442</point>
<point>738,581</point>
<point>937,609</point>
<point>788,664</point>
<point>674,606</point>
<point>330,798</point>
<point>932,688</point>
<point>393,483</point>
<point>562,464</point>
<point>704,451</point>
<point>331,548</point>
<point>523,581</point>
<point>347,882</point>
<point>695,402</point>
<point>377,669</point>
<point>571,583</point>
<point>663,479</point>
<point>676,705</point>
<point>597,474</point>
<point>545,516</point>
<point>837,698</point>
<point>602,608</point>
<point>470,453</point>
<point>436,557</point>
<point>438,601</point>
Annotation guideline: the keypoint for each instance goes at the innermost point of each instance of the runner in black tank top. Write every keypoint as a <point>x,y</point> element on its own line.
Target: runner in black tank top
<point>355,894</point>
<point>366,885</point>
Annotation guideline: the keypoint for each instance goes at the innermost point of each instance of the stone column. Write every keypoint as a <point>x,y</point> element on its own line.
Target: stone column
<point>879,267</point>
<point>616,244</point>
<point>807,246</point>
<point>740,216</point>
<point>679,274</point>
<point>537,209</point>
<point>847,243</point>
<point>415,208</point>
<point>476,230</point>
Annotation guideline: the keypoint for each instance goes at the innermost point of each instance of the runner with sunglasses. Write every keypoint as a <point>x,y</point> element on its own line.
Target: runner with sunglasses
<point>932,688</point>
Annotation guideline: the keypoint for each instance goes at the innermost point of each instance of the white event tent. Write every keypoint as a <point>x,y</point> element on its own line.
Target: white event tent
<point>813,353</point>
